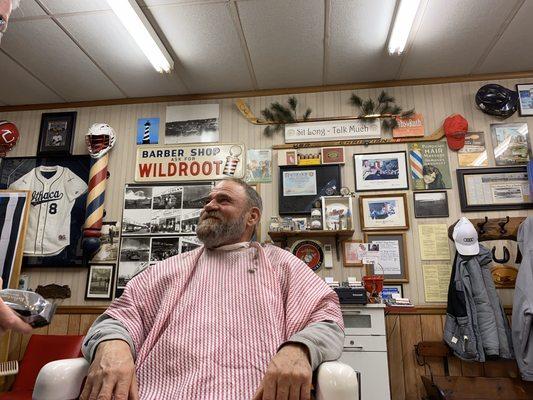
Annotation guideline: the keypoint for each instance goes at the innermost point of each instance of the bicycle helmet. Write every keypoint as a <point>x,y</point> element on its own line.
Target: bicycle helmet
<point>497,100</point>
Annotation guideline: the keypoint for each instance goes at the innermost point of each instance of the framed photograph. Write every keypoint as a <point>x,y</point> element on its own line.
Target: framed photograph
<point>59,191</point>
<point>392,256</point>
<point>389,290</point>
<point>525,99</point>
<point>192,123</point>
<point>300,187</point>
<point>147,130</point>
<point>431,204</point>
<point>56,134</point>
<point>383,212</point>
<point>100,280</point>
<point>108,251</point>
<point>381,171</point>
<point>300,224</point>
<point>494,189</point>
<point>333,155</point>
<point>510,143</point>
<point>337,213</point>
<point>349,253</point>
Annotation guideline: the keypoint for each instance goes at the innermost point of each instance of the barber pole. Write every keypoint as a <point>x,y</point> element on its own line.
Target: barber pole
<point>146,137</point>
<point>415,160</point>
<point>96,197</point>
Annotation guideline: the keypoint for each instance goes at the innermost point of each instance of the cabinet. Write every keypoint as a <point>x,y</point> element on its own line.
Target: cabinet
<point>365,349</point>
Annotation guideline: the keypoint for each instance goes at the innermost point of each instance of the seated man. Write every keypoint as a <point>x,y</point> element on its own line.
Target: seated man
<point>230,320</point>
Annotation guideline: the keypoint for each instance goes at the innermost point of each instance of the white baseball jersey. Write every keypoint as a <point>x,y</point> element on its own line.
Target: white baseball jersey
<point>52,200</point>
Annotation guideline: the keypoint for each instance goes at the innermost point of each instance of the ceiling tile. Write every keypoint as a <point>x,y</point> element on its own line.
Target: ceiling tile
<point>71,6</point>
<point>285,40</point>
<point>205,41</point>
<point>43,48</point>
<point>513,51</point>
<point>19,87</point>
<point>27,8</point>
<point>358,41</point>
<point>118,55</point>
<point>453,35</point>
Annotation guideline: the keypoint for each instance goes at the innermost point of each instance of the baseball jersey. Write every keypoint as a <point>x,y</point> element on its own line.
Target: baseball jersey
<point>52,199</point>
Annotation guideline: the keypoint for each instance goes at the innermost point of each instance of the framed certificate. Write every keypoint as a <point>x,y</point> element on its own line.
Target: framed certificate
<point>493,189</point>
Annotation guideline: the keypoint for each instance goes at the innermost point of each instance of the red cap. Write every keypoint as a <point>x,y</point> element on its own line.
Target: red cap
<point>455,128</point>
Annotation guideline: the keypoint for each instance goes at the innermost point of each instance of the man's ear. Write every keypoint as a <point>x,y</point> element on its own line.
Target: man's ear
<point>255,216</point>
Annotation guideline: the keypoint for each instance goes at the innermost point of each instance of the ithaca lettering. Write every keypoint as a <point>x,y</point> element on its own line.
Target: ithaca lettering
<point>45,197</point>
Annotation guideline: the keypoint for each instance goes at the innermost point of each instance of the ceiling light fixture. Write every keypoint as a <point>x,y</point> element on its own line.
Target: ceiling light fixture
<point>136,23</point>
<point>403,23</point>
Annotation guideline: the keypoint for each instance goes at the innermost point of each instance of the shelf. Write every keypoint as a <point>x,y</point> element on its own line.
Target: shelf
<point>282,236</point>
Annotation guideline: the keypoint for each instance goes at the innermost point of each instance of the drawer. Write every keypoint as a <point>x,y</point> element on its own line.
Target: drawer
<point>365,343</point>
<point>364,321</point>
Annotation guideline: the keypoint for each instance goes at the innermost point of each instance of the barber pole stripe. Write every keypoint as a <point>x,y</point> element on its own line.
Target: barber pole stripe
<point>96,197</point>
<point>231,165</point>
<point>415,160</point>
<point>146,137</point>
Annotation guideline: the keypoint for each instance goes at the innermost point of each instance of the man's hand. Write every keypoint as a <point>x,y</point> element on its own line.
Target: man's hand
<point>9,320</point>
<point>288,376</point>
<point>112,373</point>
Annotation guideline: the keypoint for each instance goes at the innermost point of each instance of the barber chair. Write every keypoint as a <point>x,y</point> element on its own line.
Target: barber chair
<point>41,350</point>
<point>63,379</point>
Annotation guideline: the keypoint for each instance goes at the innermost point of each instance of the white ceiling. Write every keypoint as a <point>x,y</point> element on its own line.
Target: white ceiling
<point>75,50</point>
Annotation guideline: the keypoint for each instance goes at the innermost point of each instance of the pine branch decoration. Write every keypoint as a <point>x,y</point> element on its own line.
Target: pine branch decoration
<point>280,115</point>
<point>384,104</point>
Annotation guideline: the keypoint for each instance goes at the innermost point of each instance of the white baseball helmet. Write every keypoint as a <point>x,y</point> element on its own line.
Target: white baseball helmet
<point>100,139</point>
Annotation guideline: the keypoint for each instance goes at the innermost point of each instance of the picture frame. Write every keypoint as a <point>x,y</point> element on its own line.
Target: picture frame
<point>300,224</point>
<point>337,213</point>
<point>381,171</point>
<point>301,186</point>
<point>14,211</point>
<point>349,254</point>
<point>333,155</point>
<point>389,289</point>
<point>510,143</point>
<point>393,256</point>
<point>494,189</point>
<point>100,279</point>
<point>379,212</point>
<point>525,99</point>
<point>431,204</point>
<point>56,134</point>
<point>77,169</point>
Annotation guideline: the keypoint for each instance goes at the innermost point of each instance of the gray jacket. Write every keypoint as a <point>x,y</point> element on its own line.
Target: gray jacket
<point>476,326</point>
<point>523,303</point>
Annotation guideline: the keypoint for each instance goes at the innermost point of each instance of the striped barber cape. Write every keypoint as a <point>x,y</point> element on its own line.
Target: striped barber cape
<point>206,323</point>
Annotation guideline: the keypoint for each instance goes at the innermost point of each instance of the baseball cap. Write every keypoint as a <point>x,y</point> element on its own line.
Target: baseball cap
<point>465,238</point>
<point>455,128</point>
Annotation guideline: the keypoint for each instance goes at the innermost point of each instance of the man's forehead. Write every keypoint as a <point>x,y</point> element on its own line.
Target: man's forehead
<point>230,188</point>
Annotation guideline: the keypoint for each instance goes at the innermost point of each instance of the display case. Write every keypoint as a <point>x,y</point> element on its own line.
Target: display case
<point>337,213</point>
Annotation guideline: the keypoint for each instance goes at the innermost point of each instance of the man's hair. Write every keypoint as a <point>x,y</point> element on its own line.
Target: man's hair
<point>15,4</point>
<point>253,198</point>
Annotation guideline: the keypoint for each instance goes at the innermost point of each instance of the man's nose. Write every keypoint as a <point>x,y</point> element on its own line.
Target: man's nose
<point>212,205</point>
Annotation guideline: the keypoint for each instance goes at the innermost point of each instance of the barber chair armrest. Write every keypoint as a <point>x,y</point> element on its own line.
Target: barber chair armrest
<point>61,379</point>
<point>337,381</point>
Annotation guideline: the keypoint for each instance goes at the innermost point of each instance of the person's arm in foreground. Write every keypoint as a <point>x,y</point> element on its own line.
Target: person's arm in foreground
<point>10,321</point>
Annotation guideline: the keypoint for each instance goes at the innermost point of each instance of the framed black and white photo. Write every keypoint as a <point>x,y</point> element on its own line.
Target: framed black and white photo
<point>392,256</point>
<point>383,212</point>
<point>381,171</point>
<point>192,123</point>
<point>56,134</point>
<point>100,282</point>
<point>525,99</point>
<point>494,189</point>
<point>431,204</point>
<point>301,186</point>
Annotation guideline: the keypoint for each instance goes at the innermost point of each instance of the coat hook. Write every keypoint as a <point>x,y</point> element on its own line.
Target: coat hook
<point>481,225</point>
<point>502,224</point>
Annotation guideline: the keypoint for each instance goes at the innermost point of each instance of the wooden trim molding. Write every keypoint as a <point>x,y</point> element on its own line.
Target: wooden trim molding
<point>273,92</point>
<point>81,309</point>
<point>427,310</point>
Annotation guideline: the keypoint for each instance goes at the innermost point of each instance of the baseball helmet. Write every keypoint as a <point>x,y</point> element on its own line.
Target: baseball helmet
<point>100,139</point>
<point>9,136</point>
<point>497,100</point>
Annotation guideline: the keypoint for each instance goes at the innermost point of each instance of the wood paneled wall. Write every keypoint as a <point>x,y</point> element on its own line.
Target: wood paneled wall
<point>434,101</point>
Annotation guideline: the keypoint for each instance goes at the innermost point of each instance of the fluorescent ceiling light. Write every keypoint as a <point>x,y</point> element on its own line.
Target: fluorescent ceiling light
<point>135,22</point>
<point>402,25</point>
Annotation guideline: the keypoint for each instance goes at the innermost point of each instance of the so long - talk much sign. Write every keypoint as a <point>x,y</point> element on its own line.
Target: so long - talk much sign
<point>189,162</point>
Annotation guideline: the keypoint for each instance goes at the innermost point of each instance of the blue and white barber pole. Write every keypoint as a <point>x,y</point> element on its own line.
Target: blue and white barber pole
<point>146,137</point>
<point>416,162</point>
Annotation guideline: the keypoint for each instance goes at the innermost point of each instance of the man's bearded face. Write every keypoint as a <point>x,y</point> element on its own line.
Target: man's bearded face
<point>215,229</point>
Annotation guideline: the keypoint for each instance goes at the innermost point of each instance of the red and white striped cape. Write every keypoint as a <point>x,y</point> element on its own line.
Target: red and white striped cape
<point>206,323</point>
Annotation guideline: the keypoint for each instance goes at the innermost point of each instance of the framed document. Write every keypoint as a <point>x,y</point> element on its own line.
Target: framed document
<point>392,256</point>
<point>493,189</point>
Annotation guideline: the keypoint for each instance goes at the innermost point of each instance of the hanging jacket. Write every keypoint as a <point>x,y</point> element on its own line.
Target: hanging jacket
<point>523,303</point>
<point>476,327</point>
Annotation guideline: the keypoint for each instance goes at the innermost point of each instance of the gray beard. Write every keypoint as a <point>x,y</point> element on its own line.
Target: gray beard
<point>215,232</point>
